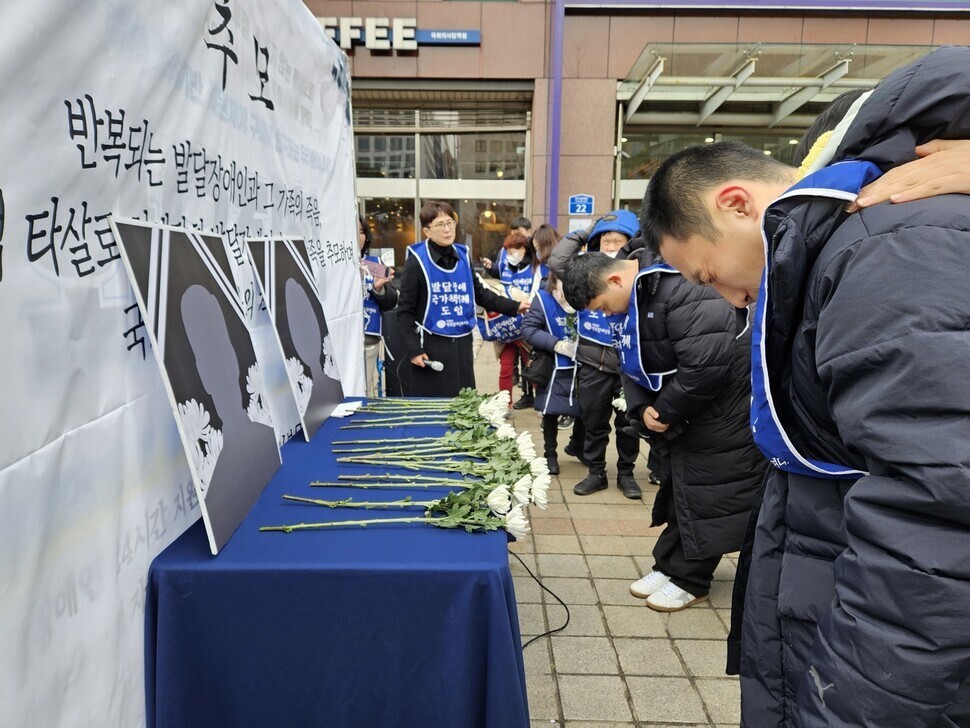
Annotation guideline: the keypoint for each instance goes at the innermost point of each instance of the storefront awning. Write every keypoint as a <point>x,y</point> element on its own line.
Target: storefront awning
<point>760,85</point>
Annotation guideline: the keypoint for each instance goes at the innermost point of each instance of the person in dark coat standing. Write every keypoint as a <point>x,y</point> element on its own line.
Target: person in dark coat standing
<point>858,590</point>
<point>599,366</point>
<point>378,298</point>
<point>684,357</point>
<point>550,326</point>
<point>436,308</point>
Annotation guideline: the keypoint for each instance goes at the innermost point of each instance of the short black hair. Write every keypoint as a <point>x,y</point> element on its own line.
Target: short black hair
<point>584,278</point>
<point>521,222</point>
<point>672,204</point>
<point>432,208</point>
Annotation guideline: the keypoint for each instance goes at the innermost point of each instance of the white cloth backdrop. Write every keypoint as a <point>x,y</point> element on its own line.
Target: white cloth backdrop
<point>159,111</point>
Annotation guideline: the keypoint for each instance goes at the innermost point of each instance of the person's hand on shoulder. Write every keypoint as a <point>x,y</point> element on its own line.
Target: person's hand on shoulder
<point>943,168</point>
<point>523,306</point>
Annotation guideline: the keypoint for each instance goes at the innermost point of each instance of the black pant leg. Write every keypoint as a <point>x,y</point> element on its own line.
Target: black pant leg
<point>595,395</point>
<point>550,433</point>
<point>627,446</point>
<point>691,575</point>
<point>578,435</point>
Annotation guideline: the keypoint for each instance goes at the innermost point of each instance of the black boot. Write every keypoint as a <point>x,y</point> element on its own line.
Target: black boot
<point>591,483</point>
<point>628,484</point>
<point>575,452</point>
<point>553,462</point>
<point>524,402</point>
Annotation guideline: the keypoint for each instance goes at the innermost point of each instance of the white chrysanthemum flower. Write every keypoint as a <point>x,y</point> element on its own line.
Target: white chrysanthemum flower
<point>503,397</point>
<point>516,522</point>
<point>521,488</point>
<point>505,431</point>
<point>540,491</point>
<point>619,403</point>
<point>213,447</point>
<point>499,500</point>
<point>204,441</point>
<point>302,384</point>
<point>329,361</point>
<point>194,420</point>
<point>492,412</point>
<point>497,421</point>
<point>526,452</point>
<point>257,409</point>
<point>539,466</point>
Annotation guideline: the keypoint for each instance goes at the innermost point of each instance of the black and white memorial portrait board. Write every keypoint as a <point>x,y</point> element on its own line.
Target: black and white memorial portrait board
<point>194,316</point>
<point>286,279</point>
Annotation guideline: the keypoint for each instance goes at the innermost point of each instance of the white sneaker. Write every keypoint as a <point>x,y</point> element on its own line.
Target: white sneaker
<point>652,582</point>
<point>671,598</point>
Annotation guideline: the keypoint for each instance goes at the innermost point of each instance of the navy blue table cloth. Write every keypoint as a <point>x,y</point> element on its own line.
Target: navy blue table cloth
<point>396,625</point>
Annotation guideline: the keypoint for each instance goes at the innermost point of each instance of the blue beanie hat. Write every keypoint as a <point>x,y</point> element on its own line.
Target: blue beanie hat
<point>621,221</point>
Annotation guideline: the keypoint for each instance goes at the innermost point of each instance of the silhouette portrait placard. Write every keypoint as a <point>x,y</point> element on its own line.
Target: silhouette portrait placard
<point>183,283</point>
<point>285,277</point>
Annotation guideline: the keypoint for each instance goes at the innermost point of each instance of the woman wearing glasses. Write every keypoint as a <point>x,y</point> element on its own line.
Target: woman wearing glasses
<point>436,308</point>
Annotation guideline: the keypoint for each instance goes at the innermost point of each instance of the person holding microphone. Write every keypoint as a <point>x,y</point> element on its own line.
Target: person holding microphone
<point>436,308</point>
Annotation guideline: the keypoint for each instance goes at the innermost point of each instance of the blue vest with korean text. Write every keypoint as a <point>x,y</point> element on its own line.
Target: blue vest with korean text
<point>450,309</point>
<point>840,181</point>
<point>521,279</point>
<point>372,314</point>
<point>499,327</point>
<point>597,327</point>
<point>628,340</point>
<point>556,317</point>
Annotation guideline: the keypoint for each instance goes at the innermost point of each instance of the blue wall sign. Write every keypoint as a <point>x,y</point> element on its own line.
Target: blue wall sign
<point>448,37</point>
<point>581,204</point>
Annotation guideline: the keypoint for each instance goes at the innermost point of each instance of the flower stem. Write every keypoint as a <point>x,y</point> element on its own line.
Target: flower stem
<point>409,417</point>
<point>400,424</point>
<point>383,440</point>
<point>379,486</point>
<point>426,449</point>
<point>363,523</point>
<point>395,476</point>
<point>347,503</point>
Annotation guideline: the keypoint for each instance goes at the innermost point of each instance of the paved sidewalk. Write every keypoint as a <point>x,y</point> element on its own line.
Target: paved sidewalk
<point>618,663</point>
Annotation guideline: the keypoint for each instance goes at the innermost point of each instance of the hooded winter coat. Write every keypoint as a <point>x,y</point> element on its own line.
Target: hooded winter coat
<point>857,607</point>
<point>715,469</point>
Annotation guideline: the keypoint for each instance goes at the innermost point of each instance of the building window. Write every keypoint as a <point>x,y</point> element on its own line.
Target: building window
<point>648,150</point>
<point>391,157</point>
<point>473,156</point>
<point>392,224</point>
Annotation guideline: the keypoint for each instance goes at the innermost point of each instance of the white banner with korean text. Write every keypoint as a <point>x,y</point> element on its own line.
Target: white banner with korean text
<point>229,116</point>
